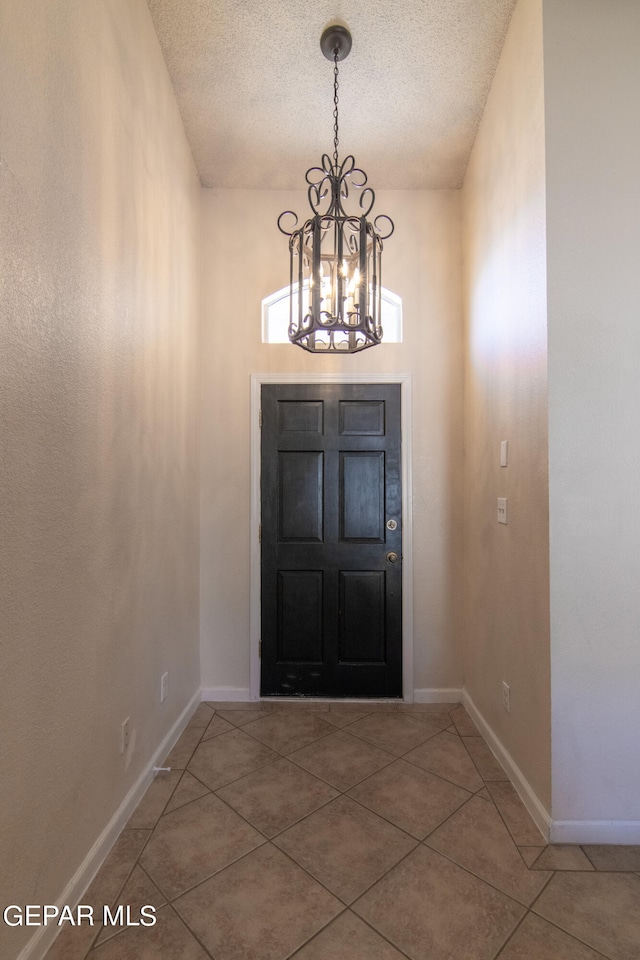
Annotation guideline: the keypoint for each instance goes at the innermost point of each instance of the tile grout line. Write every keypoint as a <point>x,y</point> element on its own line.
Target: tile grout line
<point>243,857</point>
<point>479,737</point>
<point>323,736</point>
<point>542,889</point>
<point>529,913</point>
<point>512,934</point>
<point>341,793</point>
<point>148,840</point>
<point>554,874</point>
<point>446,820</point>
<point>136,863</point>
<point>381,934</point>
<point>391,822</point>
<point>324,780</point>
<point>271,762</point>
<point>363,921</point>
<point>186,803</point>
<point>530,867</point>
<point>417,843</point>
<point>170,900</point>
<point>485,782</point>
<point>483,879</point>
<point>93,945</point>
<point>279,833</point>
<point>191,932</point>
<point>459,737</point>
<point>566,933</point>
<point>440,777</point>
<point>589,858</point>
<point>291,759</point>
<point>544,844</point>
<point>344,793</point>
<point>426,739</point>
<point>269,840</point>
<point>291,956</point>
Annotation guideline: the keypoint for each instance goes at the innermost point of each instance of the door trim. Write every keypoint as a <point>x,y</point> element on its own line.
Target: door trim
<point>257,379</point>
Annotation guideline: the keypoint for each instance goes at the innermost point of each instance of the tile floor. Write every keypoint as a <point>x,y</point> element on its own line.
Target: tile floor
<point>322,831</point>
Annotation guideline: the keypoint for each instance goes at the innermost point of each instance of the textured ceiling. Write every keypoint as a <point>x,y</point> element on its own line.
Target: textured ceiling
<point>256,95</point>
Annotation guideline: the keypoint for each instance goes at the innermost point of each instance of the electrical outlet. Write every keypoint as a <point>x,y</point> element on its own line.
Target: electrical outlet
<point>502,510</point>
<point>164,687</point>
<point>124,735</point>
<point>506,696</point>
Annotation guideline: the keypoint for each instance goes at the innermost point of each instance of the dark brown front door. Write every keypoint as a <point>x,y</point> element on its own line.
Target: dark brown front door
<point>331,540</point>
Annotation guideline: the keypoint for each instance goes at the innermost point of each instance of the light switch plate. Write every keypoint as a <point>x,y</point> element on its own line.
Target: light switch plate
<point>504,453</point>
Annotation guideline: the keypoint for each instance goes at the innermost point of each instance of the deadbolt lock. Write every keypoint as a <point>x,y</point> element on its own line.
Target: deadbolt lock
<point>392,524</point>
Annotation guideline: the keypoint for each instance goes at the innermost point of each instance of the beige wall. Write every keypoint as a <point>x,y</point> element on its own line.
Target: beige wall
<point>245,259</point>
<point>99,207</point>
<point>506,610</point>
<point>592,72</point>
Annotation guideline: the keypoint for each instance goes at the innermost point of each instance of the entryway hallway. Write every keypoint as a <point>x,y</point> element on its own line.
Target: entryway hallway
<point>357,831</point>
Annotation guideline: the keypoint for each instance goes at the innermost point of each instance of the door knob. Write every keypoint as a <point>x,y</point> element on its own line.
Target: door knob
<point>392,557</point>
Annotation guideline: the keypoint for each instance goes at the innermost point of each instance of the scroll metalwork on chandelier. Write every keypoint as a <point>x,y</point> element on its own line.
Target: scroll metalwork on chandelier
<point>335,262</point>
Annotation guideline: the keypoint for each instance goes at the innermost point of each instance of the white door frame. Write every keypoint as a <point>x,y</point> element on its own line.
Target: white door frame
<point>257,379</point>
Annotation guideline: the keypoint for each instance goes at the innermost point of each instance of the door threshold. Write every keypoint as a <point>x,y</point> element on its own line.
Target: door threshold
<point>332,700</point>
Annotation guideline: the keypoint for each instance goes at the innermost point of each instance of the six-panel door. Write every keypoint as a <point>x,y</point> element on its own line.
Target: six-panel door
<point>331,540</point>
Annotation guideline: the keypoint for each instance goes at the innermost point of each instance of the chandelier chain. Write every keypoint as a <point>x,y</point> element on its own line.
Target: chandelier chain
<point>335,107</point>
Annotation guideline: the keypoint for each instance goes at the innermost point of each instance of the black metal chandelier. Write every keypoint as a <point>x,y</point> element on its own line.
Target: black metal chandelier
<point>336,256</point>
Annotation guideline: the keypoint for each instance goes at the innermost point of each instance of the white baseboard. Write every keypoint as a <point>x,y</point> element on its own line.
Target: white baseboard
<point>226,694</point>
<point>37,947</point>
<point>595,831</point>
<point>438,695</point>
<point>557,831</point>
<point>522,786</point>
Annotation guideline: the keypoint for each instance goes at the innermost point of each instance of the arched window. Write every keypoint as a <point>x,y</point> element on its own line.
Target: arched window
<point>275,317</point>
